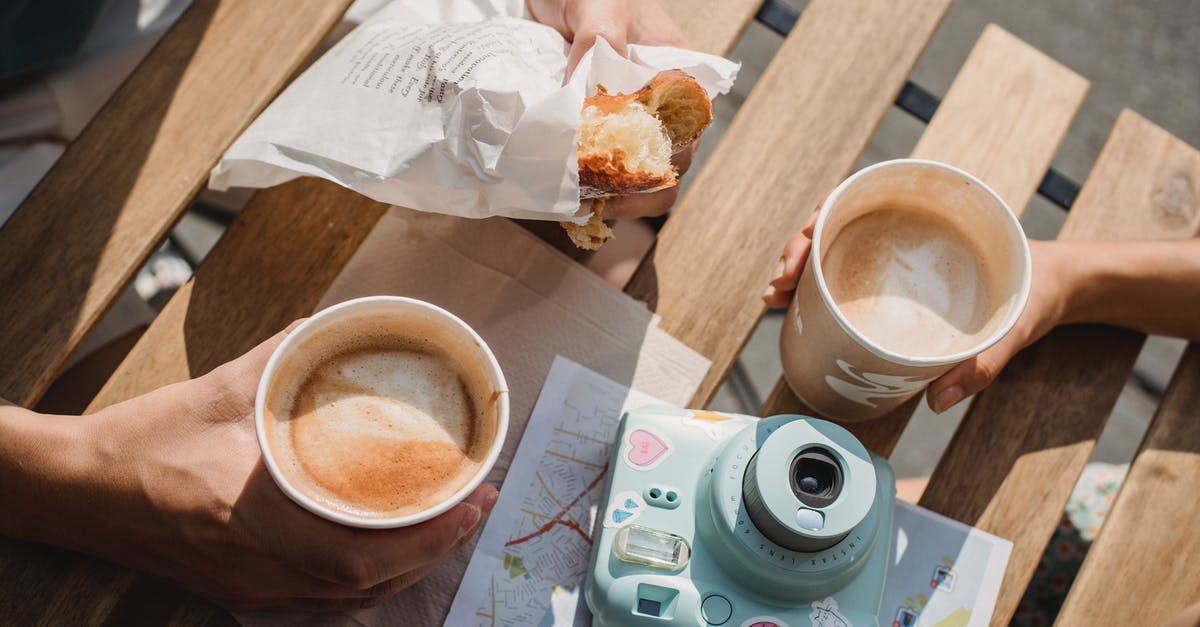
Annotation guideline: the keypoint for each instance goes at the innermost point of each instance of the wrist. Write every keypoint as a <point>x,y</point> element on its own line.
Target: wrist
<point>1078,275</point>
<point>45,462</point>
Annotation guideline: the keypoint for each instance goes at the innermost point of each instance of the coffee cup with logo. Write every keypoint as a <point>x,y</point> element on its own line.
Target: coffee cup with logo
<point>915,267</point>
<point>381,412</point>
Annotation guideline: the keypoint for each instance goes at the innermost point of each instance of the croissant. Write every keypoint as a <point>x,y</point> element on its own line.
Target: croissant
<point>625,143</point>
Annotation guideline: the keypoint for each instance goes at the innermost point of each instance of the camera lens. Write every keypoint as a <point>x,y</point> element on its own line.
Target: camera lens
<point>816,477</point>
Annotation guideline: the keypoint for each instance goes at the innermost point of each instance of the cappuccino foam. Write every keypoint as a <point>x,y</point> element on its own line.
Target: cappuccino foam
<point>379,419</point>
<point>913,283</point>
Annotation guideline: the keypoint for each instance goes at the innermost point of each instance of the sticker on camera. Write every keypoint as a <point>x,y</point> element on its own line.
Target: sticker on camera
<point>716,426</point>
<point>825,614</point>
<point>625,508</point>
<point>764,621</point>
<point>646,449</point>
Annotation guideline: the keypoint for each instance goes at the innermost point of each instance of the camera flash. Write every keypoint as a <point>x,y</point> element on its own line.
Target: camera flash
<point>810,519</point>
<point>650,547</point>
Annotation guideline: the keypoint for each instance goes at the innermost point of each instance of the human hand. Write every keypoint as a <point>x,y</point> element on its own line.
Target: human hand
<point>650,204</point>
<point>1051,289</point>
<point>619,22</point>
<point>1049,298</point>
<point>791,263</point>
<point>176,486</point>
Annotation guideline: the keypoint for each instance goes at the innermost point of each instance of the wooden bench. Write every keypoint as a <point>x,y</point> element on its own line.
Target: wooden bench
<point>1012,462</point>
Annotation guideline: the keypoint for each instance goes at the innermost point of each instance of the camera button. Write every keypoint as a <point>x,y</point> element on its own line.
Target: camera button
<point>810,519</point>
<point>716,609</point>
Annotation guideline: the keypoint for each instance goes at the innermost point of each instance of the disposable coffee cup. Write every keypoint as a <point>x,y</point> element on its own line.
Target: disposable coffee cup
<point>381,412</point>
<point>889,298</point>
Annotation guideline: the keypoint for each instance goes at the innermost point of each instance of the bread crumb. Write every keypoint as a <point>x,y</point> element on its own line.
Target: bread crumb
<point>590,236</point>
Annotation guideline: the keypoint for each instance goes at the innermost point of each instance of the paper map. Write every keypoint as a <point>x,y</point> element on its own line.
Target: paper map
<point>533,553</point>
<point>942,573</point>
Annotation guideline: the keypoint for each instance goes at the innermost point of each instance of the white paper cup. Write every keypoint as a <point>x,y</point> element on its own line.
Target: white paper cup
<point>468,345</point>
<point>829,364</point>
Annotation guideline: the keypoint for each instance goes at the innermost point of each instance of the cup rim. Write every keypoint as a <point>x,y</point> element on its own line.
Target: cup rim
<point>1015,230</point>
<point>328,513</point>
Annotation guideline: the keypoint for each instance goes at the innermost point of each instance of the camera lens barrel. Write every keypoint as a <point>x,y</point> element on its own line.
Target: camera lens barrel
<point>808,485</point>
<point>774,529</point>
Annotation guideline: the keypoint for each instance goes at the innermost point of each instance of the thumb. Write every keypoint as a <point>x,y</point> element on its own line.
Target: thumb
<point>968,378</point>
<point>594,20</point>
<point>240,376</point>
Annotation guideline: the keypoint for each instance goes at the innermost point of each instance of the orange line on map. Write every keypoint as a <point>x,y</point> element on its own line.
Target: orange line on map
<point>572,459</point>
<point>533,513</point>
<point>545,487</point>
<point>558,520</point>
<point>580,435</point>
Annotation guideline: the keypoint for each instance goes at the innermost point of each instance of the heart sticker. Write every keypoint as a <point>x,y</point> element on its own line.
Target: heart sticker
<point>716,426</point>
<point>646,449</point>
<point>625,508</point>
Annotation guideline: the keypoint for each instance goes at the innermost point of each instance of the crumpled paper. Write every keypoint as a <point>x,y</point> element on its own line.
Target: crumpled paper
<point>452,107</point>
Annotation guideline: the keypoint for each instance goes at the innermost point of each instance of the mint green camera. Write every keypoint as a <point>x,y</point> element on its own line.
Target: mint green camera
<point>721,519</point>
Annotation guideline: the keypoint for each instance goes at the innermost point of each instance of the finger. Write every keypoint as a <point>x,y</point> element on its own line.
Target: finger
<point>254,361</point>
<point>380,592</point>
<point>653,26</point>
<point>811,225</point>
<point>271,582</point>
<point>777,299</point>
<point>654,203</point>
<point>971,376</point>
<point>788,269</point>
<point>589,20</point>
<point>298,604</point>
<point>640,205</point>
<point>376,556</point>
<point>795,254</point>
<point>237,380</point>
<point>682,160</point>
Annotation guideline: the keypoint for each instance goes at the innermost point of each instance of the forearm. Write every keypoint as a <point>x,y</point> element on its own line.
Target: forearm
<point>1153,287</point>
<point>43,460</point>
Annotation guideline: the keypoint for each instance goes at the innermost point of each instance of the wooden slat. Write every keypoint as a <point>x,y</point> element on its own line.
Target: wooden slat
<point>85,229</point>
<point>273,265</point>
<point>266,271</point>
<point>91,222</point>
<point>798,133</point>
<point>712,26</point>
<point>1151,537</point>
<point>1002,120</point>
<point>1020,448</point>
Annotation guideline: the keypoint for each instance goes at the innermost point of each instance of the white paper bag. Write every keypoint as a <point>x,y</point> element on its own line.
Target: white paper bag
<point>452,107</point>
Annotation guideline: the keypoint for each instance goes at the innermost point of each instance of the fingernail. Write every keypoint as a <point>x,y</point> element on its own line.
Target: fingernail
<point>948,397</point>
<point>469,520</point>
<point>779,268</point>
<point>769,292</point>
<point>490,500</point>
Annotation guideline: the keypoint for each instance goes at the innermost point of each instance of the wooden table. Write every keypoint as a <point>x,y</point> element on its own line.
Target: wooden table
<point>94,219</point>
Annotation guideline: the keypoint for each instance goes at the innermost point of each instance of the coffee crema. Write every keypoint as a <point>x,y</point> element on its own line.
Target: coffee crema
<point>914,284</point>
<point>380,419</point>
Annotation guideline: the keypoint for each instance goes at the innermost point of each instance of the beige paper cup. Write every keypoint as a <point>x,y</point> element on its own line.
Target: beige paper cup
<point>834,368</point>
<point>468,344</point>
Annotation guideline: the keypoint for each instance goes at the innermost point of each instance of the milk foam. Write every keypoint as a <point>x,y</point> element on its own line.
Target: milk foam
<point>378,425</point>
<point>911,282</point>
<point>392,395</point>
